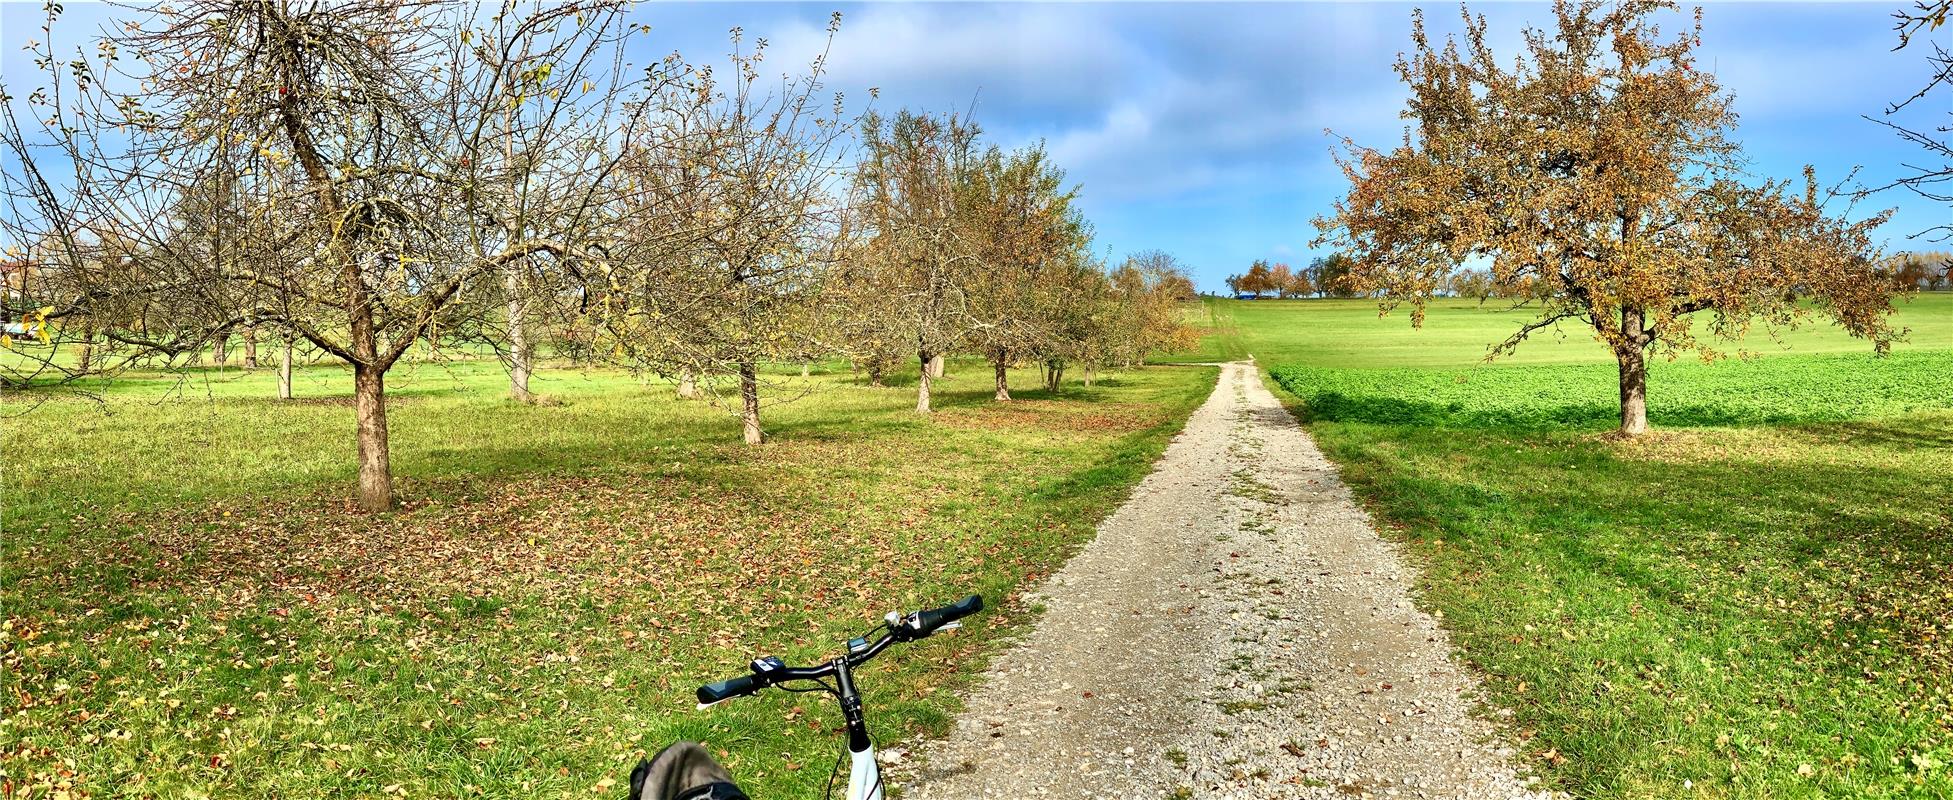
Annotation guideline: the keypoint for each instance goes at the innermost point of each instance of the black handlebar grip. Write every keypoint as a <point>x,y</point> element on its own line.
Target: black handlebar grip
<point>728,689</point>
<point>926,622</point>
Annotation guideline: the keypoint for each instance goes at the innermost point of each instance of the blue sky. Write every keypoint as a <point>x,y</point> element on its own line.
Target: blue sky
<point>1198,128</point>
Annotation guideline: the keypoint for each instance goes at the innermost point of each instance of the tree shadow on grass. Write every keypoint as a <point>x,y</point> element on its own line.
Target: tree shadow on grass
<point>1377,409</point>
<point>1744,507</point>
<point>1880,434</point>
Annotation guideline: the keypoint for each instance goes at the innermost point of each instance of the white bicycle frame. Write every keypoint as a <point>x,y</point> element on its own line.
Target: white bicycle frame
<point>864,774</point>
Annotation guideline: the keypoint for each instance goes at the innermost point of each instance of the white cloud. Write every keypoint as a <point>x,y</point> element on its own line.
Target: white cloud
<point>1201,127</point>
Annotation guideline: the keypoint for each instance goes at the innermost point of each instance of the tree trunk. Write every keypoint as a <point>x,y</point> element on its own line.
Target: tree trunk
<point>375,474</point>
<point>922,383</point>
<point>687,384</point>
<point>1090,374</point>
<point>369,368</point>
<point>518,339</point>
<point>220,350</point>
<point>749,397</point>
<point>806,368</point>
<point>875,373</point>
<point>285,368</point>
<point>86,355</point>
<point>936,366</point>
<point>1632,354</point>
<point>1054,374</point>
<point>1634,391</point>
<point>1003,379</point>
<point>250,348</point>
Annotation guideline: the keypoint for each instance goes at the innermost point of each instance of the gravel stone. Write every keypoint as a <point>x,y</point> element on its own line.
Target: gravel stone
<point>1236,630</point>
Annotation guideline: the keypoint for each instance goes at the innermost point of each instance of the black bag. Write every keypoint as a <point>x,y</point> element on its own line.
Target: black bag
<point>683,771</point>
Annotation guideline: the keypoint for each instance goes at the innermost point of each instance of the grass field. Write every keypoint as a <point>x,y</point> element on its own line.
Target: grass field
<point>1348,333</point>
<point>1753,601</point>
<point>192,610</point>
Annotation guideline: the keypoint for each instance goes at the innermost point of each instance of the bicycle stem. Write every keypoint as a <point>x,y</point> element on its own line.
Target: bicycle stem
<point>858,740</point>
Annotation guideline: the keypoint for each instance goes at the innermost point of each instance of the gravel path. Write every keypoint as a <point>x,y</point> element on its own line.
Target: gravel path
<point>1237,629</point>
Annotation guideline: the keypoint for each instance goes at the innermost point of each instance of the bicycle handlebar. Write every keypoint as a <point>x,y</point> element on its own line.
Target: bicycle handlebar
<point>923,623</point>
<point>769,671</point>
<point>728,689</point>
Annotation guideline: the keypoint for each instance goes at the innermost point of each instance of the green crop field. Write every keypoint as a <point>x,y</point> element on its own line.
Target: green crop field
<point>1751,601</point>
<point>193,610</point>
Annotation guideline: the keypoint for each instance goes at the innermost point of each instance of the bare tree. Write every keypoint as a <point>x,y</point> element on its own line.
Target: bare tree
<point>734,231</point>
<point>1927,180</point>
<point>534,149</point>
<point>335,140</point>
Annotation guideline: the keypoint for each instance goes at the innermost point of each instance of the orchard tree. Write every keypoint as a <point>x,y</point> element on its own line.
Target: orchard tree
<point>1281,279</point>
<point>731,231</point>
<point>910,202</point>
<point>1329,276</point>
<point>1258,280</point>
<point>1300,285</point>
<point>864,312</point>
<point>346,133</point>
<point>1147,297</point>
<point>1077,318</point>
<point>1290,282</point>
<point>1927,270</point>
<point>1027,234</point>
<point>1596,170</point>
<point>1473,283</point>
<point>535,96</point>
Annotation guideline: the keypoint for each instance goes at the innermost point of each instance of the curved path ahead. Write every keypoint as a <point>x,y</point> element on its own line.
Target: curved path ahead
<point>1237,629</point>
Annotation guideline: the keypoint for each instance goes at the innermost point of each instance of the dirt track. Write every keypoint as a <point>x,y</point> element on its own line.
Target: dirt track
<point>1236,629</point>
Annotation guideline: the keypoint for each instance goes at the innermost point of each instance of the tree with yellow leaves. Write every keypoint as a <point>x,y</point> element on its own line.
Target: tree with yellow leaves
<point>1595,171</point>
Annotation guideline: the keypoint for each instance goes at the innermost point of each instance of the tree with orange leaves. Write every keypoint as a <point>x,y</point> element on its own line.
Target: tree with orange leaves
<point>1596,172</point>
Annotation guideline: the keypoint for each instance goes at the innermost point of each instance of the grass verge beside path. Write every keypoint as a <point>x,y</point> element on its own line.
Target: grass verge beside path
<point>1757,612</point>
<point>192,610</point>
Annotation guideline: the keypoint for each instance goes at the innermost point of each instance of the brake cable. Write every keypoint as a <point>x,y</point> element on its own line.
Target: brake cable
<point>823,687</point>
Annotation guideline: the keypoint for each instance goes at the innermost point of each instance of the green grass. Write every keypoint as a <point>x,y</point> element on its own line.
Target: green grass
<point>192,609</point>
<point>1752,601</point>
<point>1348,333</point>
<point>1779,389</point>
